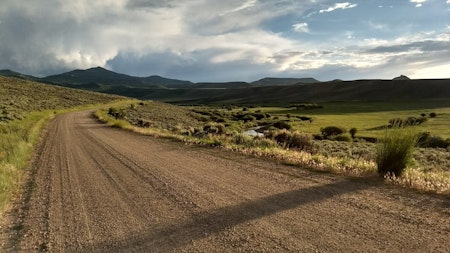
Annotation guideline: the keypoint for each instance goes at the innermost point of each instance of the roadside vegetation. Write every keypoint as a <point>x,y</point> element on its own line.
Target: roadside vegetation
<point>25,109</point>
<point>306,136</point>
<point>395,151</point>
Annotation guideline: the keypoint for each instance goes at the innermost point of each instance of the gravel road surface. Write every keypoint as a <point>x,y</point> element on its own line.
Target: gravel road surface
<point>94,188</point>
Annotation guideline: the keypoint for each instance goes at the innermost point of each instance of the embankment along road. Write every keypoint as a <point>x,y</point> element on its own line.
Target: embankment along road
<point>93,188</point>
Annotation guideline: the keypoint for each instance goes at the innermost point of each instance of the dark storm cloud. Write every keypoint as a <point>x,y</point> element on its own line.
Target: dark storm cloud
<point>426,46</point>
<point>189,67</point>
<point>151,3</point>
<point>22,49</point>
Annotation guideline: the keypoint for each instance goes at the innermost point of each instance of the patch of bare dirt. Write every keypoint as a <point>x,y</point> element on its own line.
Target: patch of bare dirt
<point>94,188</point>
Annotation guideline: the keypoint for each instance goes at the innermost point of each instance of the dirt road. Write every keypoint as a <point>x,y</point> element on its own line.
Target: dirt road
<point>98,189</point>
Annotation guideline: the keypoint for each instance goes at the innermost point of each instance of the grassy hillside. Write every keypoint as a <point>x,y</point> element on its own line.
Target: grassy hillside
<point>104,77</point>
<point>238,93</point>
<point>19,97</point>
<point>271,81</point>
<point>25,108</point>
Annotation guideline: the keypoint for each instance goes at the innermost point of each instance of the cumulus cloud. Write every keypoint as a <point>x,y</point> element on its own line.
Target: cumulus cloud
<point>83,34</point>
<point>341,6</point>
<point>301,27</point>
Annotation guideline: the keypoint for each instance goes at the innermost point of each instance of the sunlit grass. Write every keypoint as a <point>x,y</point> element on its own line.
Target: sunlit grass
<point>395,150</point>
<point>366,117</point>
<point>17,139</point>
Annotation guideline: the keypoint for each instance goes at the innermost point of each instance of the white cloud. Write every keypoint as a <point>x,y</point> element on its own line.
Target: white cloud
<point>418,2</point>
<point>245,5</point>
<point>301,27</point>
<point>377,26</point>
<point>338,6</point>
<point>430,72</point>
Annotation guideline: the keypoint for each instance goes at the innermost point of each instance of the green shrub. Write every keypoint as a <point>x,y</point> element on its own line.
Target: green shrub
<point>422,138</point>
<point>263,143</point>
<point>344,138</point>
<point>281,136</point>
<point>143,123</point>
<point>353,132</point>
<point>305,106</point>
<point>248,118</point>
<point>300,141</point>
<point>428,141</point>
<point>282,125</point>
<point>304,118</point>
<point>242,139</point>
<point>395,151</point>
<point>288,139</point>
<point>410,121</point>
<point>259,116</point>
<point>329,131</point>
<point>115,112</point>
<point>214,128</point>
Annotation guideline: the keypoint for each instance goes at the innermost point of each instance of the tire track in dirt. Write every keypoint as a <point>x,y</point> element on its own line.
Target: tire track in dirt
<point>94,188</point>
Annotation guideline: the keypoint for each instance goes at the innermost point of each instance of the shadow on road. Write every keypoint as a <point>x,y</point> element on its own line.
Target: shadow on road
<point>208,223</point>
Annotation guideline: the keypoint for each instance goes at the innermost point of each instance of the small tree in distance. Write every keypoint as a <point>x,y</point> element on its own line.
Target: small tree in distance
<point>329,131</point>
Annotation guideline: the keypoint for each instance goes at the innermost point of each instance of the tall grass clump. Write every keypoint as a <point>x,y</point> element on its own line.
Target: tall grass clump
<point>17,139</point>
<point>395,151</point>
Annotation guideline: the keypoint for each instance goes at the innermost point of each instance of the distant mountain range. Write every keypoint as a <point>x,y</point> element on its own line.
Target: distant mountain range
<point>267,90</point>
<point>97,78</point>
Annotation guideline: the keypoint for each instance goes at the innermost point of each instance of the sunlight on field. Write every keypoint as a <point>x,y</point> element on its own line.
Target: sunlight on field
<point>366,118</point>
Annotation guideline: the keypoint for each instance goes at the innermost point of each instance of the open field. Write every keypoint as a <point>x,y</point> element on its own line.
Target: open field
<point>368,116</point>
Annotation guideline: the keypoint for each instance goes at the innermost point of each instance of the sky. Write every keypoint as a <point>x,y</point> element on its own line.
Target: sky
<point>217,40</point>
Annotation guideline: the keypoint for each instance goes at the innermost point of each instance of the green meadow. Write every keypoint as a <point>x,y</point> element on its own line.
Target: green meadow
<point>367,117</point>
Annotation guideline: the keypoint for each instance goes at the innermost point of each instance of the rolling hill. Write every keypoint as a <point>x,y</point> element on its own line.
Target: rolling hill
<point>103,77</point>
<point>19,97</point>
<point>271,81</point>
<point>359,90</point>
<point>263,91</point>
